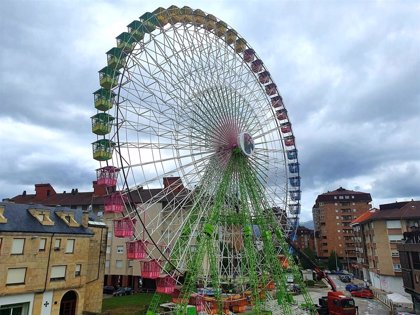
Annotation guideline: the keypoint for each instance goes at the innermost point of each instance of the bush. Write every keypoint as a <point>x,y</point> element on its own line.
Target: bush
<point>310,283</point>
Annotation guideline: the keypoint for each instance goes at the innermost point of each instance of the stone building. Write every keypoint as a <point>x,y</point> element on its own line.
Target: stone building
<point>119,270</point>
<point>333,213</point>
<point>52,260</point>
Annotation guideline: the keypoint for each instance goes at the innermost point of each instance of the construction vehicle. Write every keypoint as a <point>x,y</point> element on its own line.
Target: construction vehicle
<point>336,302</point>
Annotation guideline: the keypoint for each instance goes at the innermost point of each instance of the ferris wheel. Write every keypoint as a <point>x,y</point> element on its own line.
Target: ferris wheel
<point>194,134</point>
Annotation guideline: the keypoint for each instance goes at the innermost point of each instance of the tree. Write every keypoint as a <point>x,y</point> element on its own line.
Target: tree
<point>333,262</point>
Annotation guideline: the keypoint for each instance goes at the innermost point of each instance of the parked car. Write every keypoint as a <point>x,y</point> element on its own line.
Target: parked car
<point>108,289</point>
<point>363,293</point>
<point>345,278</point>
<point>294,289</point>
<point>123,291</point>
<point>289,278</point>
<point>352,287</point>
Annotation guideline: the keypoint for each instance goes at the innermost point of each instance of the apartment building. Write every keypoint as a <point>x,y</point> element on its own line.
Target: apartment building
<point>305,238</point>
<point>333,213</point>
<point>380,232</point>
<point>52,260</point>
<point>361,267</point>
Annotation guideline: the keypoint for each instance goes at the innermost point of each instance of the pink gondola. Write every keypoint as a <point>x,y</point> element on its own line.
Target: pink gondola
<point>289,141</point>
<point>107,175</point>
<point>124,227</point>
<point>165,285</point>
<point>286,127</point>
<point>115,203</point>
<point>271,89</point>
<point>264,77</point>
<point>281,114</point>
<point>136,249</point>
<point>150,269</point>
<point>249,55</point>
<point>257,66</point>
<point>276,101</point>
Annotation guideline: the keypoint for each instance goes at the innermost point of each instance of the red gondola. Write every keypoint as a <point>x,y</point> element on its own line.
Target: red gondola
<point>276,101</point>
<point>165,285</point>
<point>286,127</point>
<point>271,89</point>
<point>115,203</point>
<point>281,114</point>
<point>257,66</point>
<point>136,249</point>
<point>124,227</point>
<point>107,175</point>
<point>150,269</point>
<point>264,77</point>
<point>249,55</point>
<point>289,141</point>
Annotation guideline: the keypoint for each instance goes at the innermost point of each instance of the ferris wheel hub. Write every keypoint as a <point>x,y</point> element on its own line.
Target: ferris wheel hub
<point>246,143</point>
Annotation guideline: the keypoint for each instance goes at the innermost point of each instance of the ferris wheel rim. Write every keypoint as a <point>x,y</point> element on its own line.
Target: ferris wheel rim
<point>277,122</point>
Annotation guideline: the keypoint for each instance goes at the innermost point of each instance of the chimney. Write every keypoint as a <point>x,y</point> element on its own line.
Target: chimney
<point>173,184</point>
<point>85,218</point>
<point>43,191</point>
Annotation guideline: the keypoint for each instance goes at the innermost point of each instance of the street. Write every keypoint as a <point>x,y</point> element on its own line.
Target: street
<point>366,306</point>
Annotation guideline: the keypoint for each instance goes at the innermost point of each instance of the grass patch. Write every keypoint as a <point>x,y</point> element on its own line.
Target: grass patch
<point>135,304</point>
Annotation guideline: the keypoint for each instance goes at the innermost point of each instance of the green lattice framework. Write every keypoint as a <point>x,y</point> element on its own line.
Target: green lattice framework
<point>257,223</point>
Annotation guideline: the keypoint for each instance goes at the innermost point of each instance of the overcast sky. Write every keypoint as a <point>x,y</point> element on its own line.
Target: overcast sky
<point>348,71</point>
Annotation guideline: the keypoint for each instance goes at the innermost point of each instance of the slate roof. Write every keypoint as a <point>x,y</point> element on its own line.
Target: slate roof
<point>19,219</point>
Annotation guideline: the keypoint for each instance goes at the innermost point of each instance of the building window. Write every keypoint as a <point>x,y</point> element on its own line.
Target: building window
<point>12,309</point>
<point>393,224</point>
<point>78,270</point>
<point>57,244</point>
<point>58,273</point>
<point>16,276</point>
<point>395,238</point>
<point>108,249</point>
<point>109,234</point>
<point>70,246</point>
<point>17,246</point>
<point>42,244</point>
<point>120,249</point>
<point>106,263</point>
<point>119,264</point>
<point>397,267</point>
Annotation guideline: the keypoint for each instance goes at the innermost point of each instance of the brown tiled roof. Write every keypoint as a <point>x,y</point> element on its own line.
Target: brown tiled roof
<point>400,211</point>
<point>63,199</point>
<point>88,198</point>
<point>358,196</point>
